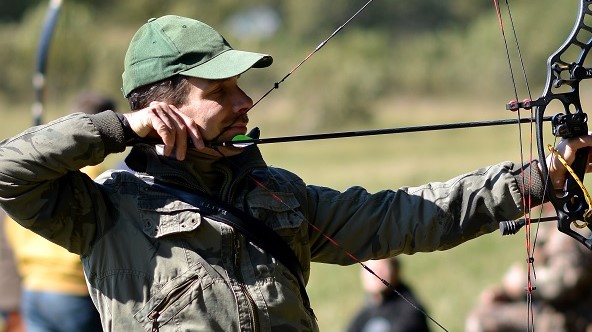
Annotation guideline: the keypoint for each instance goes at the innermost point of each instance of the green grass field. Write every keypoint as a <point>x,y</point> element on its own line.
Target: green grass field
<point>448,282</point>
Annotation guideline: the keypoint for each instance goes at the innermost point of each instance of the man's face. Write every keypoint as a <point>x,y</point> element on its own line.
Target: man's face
<point>219,108</point>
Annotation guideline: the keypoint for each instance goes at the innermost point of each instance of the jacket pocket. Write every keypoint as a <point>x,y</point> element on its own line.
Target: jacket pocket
<point>279,210</point>
<point>163,214</point>
<point>282,213</point>
<point>170,301</point>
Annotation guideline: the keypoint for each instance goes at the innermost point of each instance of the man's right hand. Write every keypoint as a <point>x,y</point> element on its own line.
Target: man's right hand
<point>167,122</point>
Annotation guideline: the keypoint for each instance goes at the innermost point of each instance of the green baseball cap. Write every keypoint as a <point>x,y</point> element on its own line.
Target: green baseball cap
<point>170,45</point>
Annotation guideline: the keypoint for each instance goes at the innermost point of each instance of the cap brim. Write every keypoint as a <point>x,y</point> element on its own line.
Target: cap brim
<point>229,64</point>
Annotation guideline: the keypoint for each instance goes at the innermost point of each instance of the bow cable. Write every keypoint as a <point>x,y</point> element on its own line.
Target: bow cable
<point>526,201</point>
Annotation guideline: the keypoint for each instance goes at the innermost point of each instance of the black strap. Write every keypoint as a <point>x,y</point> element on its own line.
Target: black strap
<point>252,228</point>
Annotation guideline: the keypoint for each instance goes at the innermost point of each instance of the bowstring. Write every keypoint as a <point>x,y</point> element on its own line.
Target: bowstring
<point>276,85</point>
<point>526,201</point>
<point>313,226</point>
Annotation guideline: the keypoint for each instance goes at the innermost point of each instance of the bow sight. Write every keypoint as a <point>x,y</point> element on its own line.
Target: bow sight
<point>569,125</point>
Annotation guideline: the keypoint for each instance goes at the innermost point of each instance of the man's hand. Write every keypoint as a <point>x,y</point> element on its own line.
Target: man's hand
<point>167,122</point>
<point>567,148</point>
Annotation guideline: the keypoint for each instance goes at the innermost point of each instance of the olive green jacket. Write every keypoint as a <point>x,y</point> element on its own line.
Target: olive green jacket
<point>152,261</point>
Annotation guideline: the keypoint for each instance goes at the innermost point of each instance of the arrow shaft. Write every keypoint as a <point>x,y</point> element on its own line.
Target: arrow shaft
<point>375,132</point>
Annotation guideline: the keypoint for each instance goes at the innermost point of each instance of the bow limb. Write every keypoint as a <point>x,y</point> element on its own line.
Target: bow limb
<point>564,75</point>
<point>51,18</point>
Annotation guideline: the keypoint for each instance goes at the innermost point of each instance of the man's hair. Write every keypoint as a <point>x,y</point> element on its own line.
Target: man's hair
<point>172,90</point>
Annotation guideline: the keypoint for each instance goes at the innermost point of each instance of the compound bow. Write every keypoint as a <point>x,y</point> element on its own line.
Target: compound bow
<point>565,71</point>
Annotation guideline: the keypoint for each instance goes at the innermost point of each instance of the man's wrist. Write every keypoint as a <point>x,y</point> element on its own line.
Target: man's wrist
<point>130,135</point>
<point>530,183</point>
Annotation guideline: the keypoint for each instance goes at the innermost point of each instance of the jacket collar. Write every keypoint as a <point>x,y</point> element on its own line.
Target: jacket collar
<point>198,170</point>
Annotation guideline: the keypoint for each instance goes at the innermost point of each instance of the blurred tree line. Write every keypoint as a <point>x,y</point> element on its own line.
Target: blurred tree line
<point>392,48</point>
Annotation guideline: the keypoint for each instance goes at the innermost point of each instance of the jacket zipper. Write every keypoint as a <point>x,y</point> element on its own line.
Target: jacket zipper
<point>153,316</point>
<point>251,302</point>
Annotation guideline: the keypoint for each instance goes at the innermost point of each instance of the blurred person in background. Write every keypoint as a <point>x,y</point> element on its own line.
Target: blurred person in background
<point>387,309</point>
<point>562,300</point>
<point>55,297</point>
<point>10,286</point>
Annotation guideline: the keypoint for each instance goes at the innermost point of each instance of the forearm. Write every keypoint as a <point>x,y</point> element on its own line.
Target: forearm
<point>435,216</point>
<point>39,169</point>
<point>66,144</point>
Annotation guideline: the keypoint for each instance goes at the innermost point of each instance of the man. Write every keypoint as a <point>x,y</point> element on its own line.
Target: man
<point>388,309</point>
<point>154,261</point>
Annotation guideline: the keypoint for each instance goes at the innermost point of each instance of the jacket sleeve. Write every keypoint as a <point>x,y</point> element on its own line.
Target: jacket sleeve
<point>41,186</point>
<point>435,216</point>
